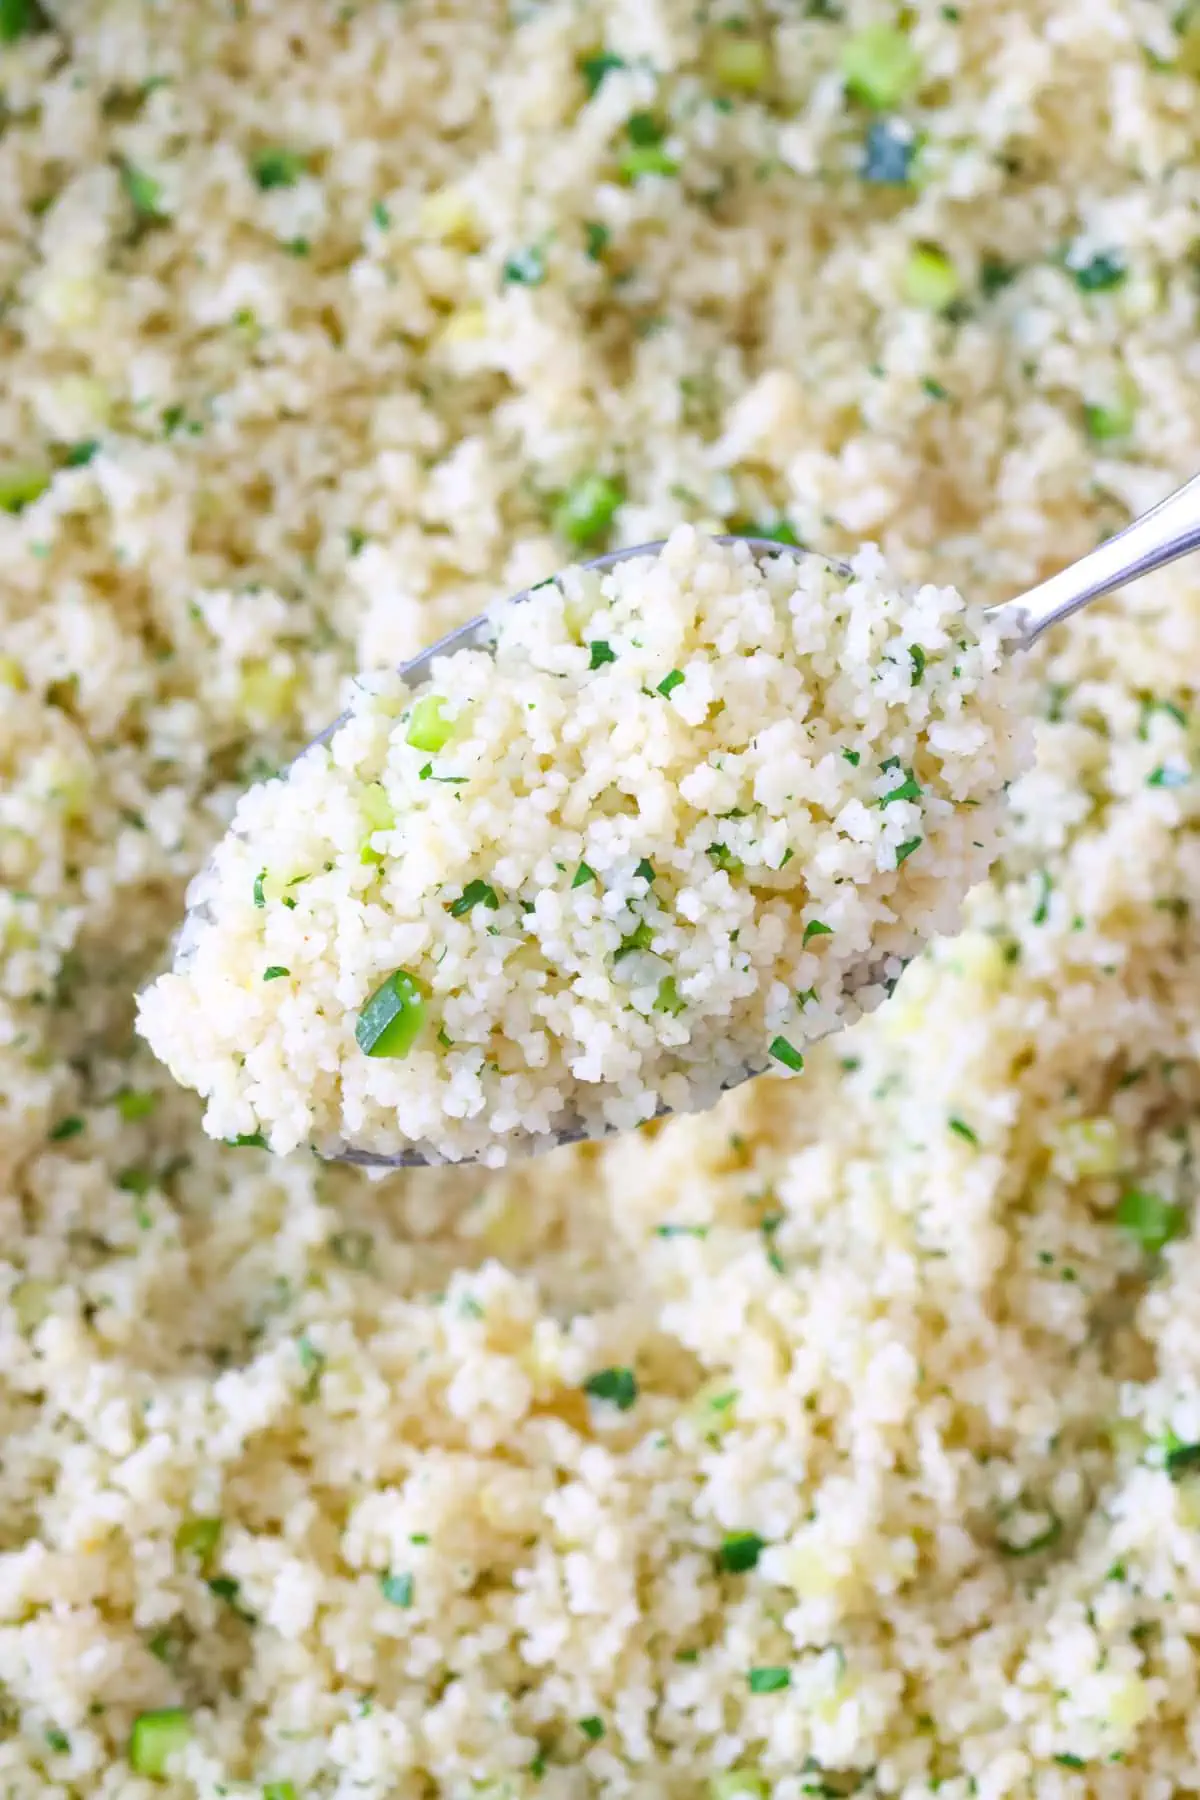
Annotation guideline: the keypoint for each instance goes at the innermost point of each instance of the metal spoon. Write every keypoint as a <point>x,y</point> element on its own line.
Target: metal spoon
<point>1160,536</point>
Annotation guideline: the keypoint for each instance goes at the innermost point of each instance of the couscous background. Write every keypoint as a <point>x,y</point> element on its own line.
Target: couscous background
<point>843,1437</point>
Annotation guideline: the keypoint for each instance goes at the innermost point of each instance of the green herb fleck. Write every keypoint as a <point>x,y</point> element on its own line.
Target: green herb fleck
<point>723,858</point>
<point>587,509</point>
<point>277,168</point>
<point>593,69</point>
<point>787,1054</point>
<point>668,999</point>
<point>391,1019</point>
<point>617,1386</point>
<point>880,67</point>
<point>909,789</point>
<point>769,1680</point>
<point>646,159</point>
<point>592,1728</point>
<point>918,663</point>
<point>669,683</point>
<point>1166,776</point>
<point>931,279</point>
<point>961,1129</point>
<point>1181,1459</point>
<point>1148,1219</point>
<point>601,653</point>
<point>156,1738</point>
<point>740,1551</point>
<point>1100,273</point>
<point>66,1128</point>
<point>816,928</point>
<point>275,972</point>
<point>595,239</point>
<point>582,876</point>
<point>19,18</point>
<point>260,898</point>
<point>905,850</point>
<point>144,194</point>
<point>20,487</point>
<point>525,268</point>
<point>397,1589</point>
<point>476,893</point>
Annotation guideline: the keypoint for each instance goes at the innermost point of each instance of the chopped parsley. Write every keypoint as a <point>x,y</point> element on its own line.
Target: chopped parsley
<point>593,69</point>
<point>277,168</point>
<point>19,18</point>
<point>1041,911</point>
<point>645,870</point>
<point>995,275</point>
<point>143,192</point>
<point>595,239</point>
<point>66,1128</point>
<point>769,1680</point>
<point>816,928</point>
<point>312,1361</point>
<point>275,971</point>
<point>853,757</point>
<point>525,268</point>
<point>587,509</point>
<point>616,1386</point>
<point>260,898</point>
<point>668,1000</point>
<point>156,1738</point>
<point>905,850</point>
<point>909,789</point>
<point>740,1551</point>
<point>787,1054</point>
<point>1100,273</point>
<point>914,650</point>
<point>723,858</point>
<point>1181,1459</point>
<point>880,67</point>
<point>640,938</point>
<point>1168,776</point>
<point>1148,1219</point>
<point>961,1129</point>
<point>134,1104</point>
<point>592,1727</point>
<point>476,893</point>
<point>601,652</point>
<point>397,1589</point>
<point>669,683</point>
<point>582,876</point>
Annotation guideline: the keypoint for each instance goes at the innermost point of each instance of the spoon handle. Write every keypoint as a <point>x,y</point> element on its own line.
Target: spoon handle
<point>1168,531</point>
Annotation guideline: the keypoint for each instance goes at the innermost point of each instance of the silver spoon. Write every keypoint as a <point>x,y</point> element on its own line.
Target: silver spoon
<point>1160,536</point>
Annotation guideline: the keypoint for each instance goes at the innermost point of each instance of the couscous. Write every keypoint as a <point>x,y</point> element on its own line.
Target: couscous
<point>842,1439</point>
<point>672,823</point>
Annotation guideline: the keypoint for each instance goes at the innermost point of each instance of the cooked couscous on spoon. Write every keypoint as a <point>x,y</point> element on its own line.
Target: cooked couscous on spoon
<point>676,820</point>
